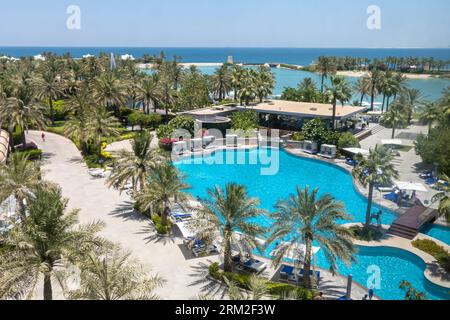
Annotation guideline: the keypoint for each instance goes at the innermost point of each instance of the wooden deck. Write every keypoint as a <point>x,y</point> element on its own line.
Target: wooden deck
<point>408,225</point>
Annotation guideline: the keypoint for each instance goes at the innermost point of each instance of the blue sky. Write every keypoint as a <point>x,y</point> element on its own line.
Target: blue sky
<point>226,23</point>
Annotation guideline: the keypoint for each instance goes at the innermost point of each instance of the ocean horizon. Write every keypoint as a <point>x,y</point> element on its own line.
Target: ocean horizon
<point>289,55</point>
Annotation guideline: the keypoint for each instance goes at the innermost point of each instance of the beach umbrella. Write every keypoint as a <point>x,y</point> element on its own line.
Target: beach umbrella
<point>410,186</point>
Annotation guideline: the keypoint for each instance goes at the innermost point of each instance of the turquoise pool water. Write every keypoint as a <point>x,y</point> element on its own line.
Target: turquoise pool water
<point>292,171</point>
<point>437,231</point>
<point>395,265</point>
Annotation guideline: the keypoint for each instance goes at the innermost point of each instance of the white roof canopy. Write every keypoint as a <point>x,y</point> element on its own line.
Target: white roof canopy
<point>357,151</point>
<point>410,186</point>
<point>392,142</point>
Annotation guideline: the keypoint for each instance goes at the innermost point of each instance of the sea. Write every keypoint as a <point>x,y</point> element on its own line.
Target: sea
<point>431,88</point>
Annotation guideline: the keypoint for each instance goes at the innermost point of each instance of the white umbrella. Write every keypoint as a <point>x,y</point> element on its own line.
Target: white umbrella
<point>410,186</point>
<point>296,252</point>
<point>393,142</point>
<point>357,151</point>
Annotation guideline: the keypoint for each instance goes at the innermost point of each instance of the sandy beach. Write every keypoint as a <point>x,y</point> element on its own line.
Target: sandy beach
<point>186,65</point>
<point>358,74</point>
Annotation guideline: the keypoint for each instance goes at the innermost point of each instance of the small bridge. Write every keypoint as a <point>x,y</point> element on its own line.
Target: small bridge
<point>409,224</point>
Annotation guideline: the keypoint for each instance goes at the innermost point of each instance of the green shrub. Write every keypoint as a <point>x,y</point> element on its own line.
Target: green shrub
<point>366,233</point>
<point>158,225</point>
<point>347,140</point>
<point>315,130</point>
<point>273,288</point>
<point>298,136</point>
<point>59,110</point>
<point>183,122</point>
<point>144,120</point>
<point>439,253</point>
<point>32,154</point>
<point>164,131</point>
<point>245,120</point>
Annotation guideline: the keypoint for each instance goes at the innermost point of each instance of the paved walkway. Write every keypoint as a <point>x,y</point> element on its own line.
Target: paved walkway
<point>63,165</point>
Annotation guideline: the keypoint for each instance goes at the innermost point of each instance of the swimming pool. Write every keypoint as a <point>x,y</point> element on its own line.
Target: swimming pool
<point>437,231</point>
<point>244,167</point>
<point>292,171</point>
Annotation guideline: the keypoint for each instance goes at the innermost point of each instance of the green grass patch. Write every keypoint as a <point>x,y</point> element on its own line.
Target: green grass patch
<point>366,233</point>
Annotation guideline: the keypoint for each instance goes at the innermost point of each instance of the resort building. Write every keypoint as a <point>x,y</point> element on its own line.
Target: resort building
<point>292,114</point>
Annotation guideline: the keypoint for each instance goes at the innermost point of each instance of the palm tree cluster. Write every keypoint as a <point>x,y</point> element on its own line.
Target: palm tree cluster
<point>231,215</point>
<point>247,84</point>
<point>391,63</point>
<point>47,245</point>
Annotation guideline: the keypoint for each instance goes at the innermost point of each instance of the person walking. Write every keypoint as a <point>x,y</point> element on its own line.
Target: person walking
<point>43,136</point>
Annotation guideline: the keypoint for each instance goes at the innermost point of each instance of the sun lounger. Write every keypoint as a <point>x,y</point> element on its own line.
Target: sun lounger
<point>255,266</point>
<point>311,272</point>
<point>96,173</point>
<point>426,175</point>
<point>204,250</point>
<point>351,162</point>
<point>391,196</point>
<point>431,181</point>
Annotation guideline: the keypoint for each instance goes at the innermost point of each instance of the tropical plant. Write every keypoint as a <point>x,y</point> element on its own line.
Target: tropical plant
<point>100,124</point>
<point>149,92</point>
<point>48,85</point>
<point>229,215</point>
<point>411,292</point>
<point>257,289</point>
<point>374,169</point>
<point>221,82</point>
<point>18,177</point>
<point>114,275</point>
<point>341,91</point>
<point>108,91</point>
<point>51,242</point>
<point>325,67</point>
<point>245,120</point>
<point>395,117</point>
<point>164,188</point>
<point>135,166</point>
<point>430,114</point>
<point>306,218</point>
<point>443,196</point>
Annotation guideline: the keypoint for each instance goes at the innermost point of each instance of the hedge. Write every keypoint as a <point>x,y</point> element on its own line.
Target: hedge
<point>274,288</point>
<point>442,256</point>
<point>35,154</point>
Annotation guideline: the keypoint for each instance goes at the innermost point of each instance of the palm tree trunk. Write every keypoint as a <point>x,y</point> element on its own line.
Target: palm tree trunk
<point>24,139</point>
<point>430,125</point>
<point>387,103</point>
<point>369,204</point>
<point>164,214</point>
<point>228,261</point>
<point>321,85</point>
<point>50,102</point>
<point>333,119</point>
<point>307,264</point>
<point>362,98</point>
<point>382,106</point>
<point>393,131</point>
<point>48,292</point>
<point>372,98</point>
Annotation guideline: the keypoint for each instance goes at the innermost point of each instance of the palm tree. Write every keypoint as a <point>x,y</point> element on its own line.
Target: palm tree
<point>114,275</point>
<point>363,86</point>
<point>236,79</point>
<point>257,289</point>
<point>443,196</point>
<point>247,88</point>
<point>221,82</point>
<point>395,116</point>
<point>429,114</point>
<point>50,242</point>
<point>22,111</point>
<point>375,78</point>
<point>375,169</point>
<point>168,96</point>
<point>412,98</point>
<point>100,124</point>
<point>17,178</point>
<point>264,83</point>
<point>340,90</point>
<point>411,293</point>
<point>164,188</point>
<point>149,92</point>
<point>230,214</point>
<point>136,165</point>
<point>49,86</point>
<point>306,218</point>
<point>325,67</point>
<point>108,91</point>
